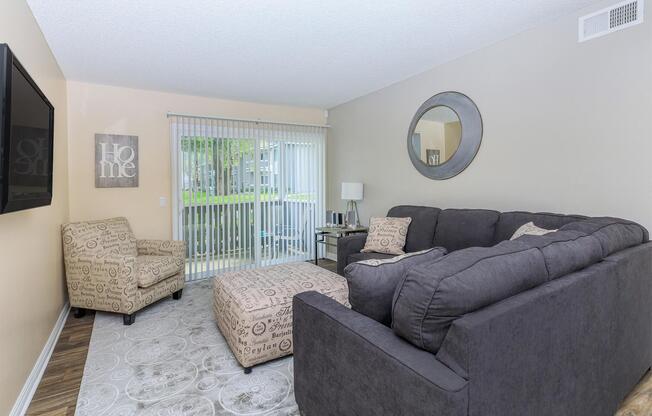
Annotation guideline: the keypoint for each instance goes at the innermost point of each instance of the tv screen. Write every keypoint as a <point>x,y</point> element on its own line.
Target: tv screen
<point>26,138</point>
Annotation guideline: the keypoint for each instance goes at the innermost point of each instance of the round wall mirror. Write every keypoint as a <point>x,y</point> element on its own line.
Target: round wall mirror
<point>444,135</point>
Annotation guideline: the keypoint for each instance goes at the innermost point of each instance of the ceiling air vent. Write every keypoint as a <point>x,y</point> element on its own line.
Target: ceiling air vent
<point>613,18</point>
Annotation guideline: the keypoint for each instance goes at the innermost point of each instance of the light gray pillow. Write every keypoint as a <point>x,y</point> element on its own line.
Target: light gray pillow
<point>530,229</point>
<point>372,282</point>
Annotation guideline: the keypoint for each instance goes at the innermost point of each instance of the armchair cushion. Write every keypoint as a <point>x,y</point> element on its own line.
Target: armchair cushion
<point>112,235</point>
<point>153,269</point>
<point>161,248</point>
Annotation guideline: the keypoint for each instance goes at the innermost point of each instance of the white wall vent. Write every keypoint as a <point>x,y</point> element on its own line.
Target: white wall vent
<point>613,18</point>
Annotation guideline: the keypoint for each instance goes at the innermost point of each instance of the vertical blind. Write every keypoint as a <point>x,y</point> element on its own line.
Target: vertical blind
<point>246,193</point>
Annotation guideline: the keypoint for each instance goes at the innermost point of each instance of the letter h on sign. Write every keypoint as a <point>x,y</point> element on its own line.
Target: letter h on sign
<point>116,161</point>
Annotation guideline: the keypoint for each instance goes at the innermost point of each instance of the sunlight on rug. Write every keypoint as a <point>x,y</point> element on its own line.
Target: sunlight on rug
<point>174,361</point>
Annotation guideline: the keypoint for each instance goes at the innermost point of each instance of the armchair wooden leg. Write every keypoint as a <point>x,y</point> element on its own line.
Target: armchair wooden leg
<point>79,312</point>
<point>129,319</point>
<point>247,370</point>
<point>177,295</point>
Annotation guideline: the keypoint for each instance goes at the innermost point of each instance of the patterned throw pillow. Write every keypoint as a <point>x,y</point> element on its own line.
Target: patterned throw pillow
<point>387,235</point>
<point>530,229</point>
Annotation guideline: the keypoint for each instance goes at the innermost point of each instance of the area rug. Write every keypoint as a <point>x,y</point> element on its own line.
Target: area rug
<point>174,361</point>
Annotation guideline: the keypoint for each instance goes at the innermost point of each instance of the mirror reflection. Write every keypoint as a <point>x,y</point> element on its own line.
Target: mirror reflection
<point>437,135</point>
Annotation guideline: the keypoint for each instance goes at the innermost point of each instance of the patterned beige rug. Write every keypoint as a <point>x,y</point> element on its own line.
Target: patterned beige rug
<point>174,361</point>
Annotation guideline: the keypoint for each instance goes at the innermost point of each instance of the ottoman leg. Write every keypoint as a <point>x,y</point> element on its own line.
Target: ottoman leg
<point>128,319</point>
<point>247,370</point>
<point>177,295</point>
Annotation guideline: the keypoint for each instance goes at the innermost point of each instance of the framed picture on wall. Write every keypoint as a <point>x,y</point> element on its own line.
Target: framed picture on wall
<point>432,156</point>
<point>116,161</point>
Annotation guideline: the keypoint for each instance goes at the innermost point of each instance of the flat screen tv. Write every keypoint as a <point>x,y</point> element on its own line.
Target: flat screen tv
<point>26,138</point>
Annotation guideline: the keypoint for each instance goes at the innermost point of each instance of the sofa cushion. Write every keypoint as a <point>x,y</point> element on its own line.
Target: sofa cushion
<point>387,235</point>
<point>422,228</point>
<point>153,269</point>
<point>614,234</point>
<point>432,296</point>
<point>367,256</point>
<point>565,251</point>
<point>372,282</point>
<point>509,222</point>
<point>462,228</point>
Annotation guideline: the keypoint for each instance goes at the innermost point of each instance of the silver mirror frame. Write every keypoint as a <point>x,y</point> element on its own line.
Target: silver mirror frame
<point>471,137</point>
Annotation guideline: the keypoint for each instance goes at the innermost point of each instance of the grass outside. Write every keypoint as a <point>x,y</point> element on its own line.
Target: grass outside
<point>201,198</point>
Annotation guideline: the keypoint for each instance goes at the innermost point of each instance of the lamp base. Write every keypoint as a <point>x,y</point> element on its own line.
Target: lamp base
<point>352,208</point>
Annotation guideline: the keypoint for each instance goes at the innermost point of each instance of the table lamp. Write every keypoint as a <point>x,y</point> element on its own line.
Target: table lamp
<point>352,192</point>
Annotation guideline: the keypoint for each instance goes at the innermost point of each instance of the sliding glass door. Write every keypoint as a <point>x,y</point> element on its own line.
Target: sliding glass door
<point>247,194</point>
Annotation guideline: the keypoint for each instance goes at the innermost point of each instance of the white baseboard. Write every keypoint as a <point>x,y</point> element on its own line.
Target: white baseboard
<point>26,394</point>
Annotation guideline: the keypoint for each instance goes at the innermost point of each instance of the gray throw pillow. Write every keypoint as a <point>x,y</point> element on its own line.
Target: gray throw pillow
<point>372,282</point>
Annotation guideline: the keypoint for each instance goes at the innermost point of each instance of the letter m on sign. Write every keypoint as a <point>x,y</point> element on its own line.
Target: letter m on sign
<point>116,161</point>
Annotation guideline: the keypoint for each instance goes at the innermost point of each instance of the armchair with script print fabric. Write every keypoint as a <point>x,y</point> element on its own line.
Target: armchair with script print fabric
<point>107,269</point>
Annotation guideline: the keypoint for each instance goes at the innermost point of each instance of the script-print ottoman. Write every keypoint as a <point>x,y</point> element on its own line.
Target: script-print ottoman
<point>253,308</point>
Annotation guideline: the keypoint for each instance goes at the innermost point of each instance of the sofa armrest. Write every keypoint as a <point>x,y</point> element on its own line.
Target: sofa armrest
<point>586,334</point>
<point>348,364</point>
<point>107,282</point>
<point>346,246</point>
<point>161,248</point>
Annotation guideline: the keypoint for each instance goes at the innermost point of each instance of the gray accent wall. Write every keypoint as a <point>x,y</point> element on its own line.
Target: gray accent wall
<point>566,128</point>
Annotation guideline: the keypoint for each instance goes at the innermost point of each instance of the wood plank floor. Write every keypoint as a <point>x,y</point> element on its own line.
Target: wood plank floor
<point>57,392</point>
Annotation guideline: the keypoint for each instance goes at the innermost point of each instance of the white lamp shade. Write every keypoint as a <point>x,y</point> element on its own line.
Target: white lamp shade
<point>352,191</point>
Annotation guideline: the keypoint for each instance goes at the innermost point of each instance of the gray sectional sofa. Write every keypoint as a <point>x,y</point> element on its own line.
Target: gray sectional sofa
<point>542,325</point>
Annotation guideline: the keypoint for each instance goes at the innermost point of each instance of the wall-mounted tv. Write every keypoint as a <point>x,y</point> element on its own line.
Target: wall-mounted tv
<point>26,138</point>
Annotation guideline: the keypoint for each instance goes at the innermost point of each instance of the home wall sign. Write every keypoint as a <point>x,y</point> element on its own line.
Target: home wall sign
<point>116,161</point>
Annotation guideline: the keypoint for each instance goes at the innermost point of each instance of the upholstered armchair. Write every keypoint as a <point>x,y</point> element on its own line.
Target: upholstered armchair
<point>108,269</point>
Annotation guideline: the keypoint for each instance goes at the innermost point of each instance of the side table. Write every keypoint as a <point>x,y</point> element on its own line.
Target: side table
<point>323,233</point>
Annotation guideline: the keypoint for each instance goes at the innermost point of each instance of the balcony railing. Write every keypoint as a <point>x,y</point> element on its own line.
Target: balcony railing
<point>222,235</point>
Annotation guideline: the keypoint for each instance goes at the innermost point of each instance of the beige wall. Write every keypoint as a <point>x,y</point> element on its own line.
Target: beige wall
<point>453,135</point>
<point>104,109</point>
<point>437,135</point>
<point>432,137</point>
<point>30,245</point>
<point>552,110</point>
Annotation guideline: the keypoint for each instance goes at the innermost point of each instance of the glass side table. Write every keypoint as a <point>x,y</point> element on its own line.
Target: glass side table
<point>323,233</point>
